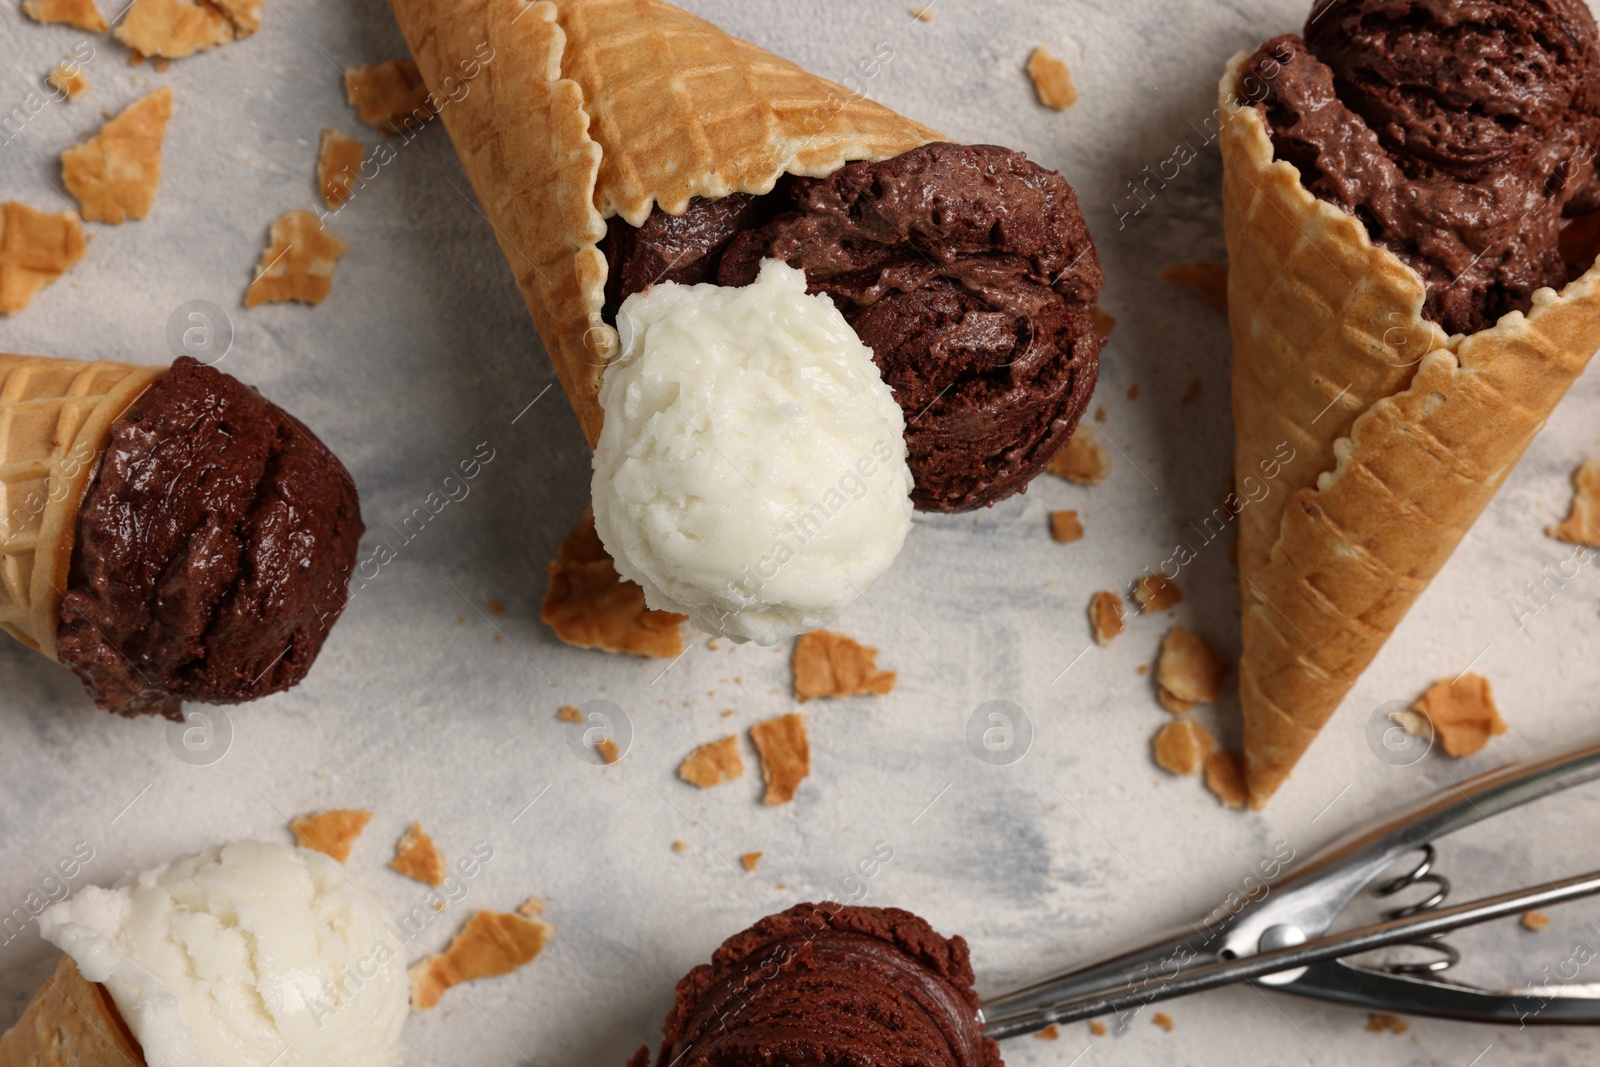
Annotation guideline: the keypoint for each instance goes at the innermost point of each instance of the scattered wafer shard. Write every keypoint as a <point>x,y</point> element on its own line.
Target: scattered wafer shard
<point>1582,524</point>
<point>713,764</point>
<point>114,174</point>
<point>785,755</point>
<point>1462,713</point>
<point>1183,746</point>
<point>1157,592</point>
<point>1163,1020</point>
<point>532,907</point>
<point>590,605</point>
<point>1225,778</point>
<point>491,943</point>
<point>68,79</point>
<point>331,832</point>
<point>1065,527</point>
<point>388,96</point>
<point>416,856</point>
<point>1082,459</point>
<point>1383,1023</point>
<point>1105,617</point>
<point>749,860</point>
<point>338,163</point>
<point>172,29</point>
<point>827,664</point>
<point>568,713</point>
<point>1049,1033</point>
<point>1189,671</point>
<point>1052,81</point>
<point>81,14</point>
<point>298,263</point>
<point>608,750</point>
<point>1208,281</point>
<point>35,250</point>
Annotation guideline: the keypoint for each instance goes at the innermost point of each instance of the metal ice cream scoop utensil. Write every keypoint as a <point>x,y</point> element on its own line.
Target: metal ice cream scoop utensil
<point>1279,940</point>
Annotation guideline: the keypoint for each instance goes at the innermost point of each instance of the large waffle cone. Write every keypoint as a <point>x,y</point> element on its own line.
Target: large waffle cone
<point>1379,440</point>
<point>569,112</point>
<point>71,1022</point>
<point>55,422</point>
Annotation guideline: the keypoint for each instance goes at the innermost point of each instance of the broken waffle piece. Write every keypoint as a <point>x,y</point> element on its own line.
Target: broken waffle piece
<point>1157,592</point>
<point>1105,617</point>
<point>1049,1033</point>
<point>568,713</point>
<point>388,96</point>
<point>1462,713</point>
<point>81,14</point>
<point>115,173</point>
<point>1065,527</point>
<point>416,856</point>
<point>172,29</point>
<point>1225,778</point>
<point>1535,921</point>
<point>1380,1022</point>
<point>608,750</point>
<point>35,250</point>
<point>785,755</point>
<point>491,943</point>
<point>1182,746</point>
<point>1582,524</point>
<point>827,664</point>
<point>713,764</point>
<point>338,162</point>
<point>1052,81</point>
<point>1081,459</point>
<point>749,860</point>
<point>244,14</point>
<point>68,79</point>
<point>1189,671</point>
<point>1163,1020</point>
<point>331,832</point>
<point>532,907</point>
<point>590,605</point>
<point>1208,281</point>
<point>298,263</point>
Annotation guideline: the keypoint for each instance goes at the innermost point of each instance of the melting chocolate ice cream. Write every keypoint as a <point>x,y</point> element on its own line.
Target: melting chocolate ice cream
<point>1462,133</point>
<point>214,548</point>
<point>843,986</point>
<point>967,270</point>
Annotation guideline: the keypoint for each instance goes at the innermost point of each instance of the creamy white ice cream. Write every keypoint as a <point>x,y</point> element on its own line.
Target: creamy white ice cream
<point>752,472</point>
<point>243,956</point>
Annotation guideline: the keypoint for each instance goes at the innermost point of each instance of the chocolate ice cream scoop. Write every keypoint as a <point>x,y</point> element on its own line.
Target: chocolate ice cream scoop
<point>1461,132</point>
<point>829,984</point>
<point>968,271</point>
<point>214,548</point>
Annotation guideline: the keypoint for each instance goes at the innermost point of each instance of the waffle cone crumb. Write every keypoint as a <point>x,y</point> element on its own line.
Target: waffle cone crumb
<point>298,263</point>
<point>1225,778</point>
<point>388,96</point>
<point>35,250</point>
<point>1082,459</point>
<point>785,755</point>
<point>416,856</point>
<point>1065,527</point>
<point>827,664</point>
<point>331,832</point>
<point>591,606</point>
<point>713,764</point>
<point>1582,524</point>
<point>1105,617</point>
<point>1462,713</point>
<point>1189,671</point>
<point>1052,81</point>
<point>1183,746</point>
<point>490,944</point>
<point>338,162</point>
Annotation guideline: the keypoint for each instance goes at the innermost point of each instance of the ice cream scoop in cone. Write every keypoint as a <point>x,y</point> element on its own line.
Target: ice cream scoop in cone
<point>55,422</point>
<point>1378,438</point>
<point>71,1022</point>
<point>568,113</point>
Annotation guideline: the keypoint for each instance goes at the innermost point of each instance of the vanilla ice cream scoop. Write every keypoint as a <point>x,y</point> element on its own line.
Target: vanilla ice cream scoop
<point>243,956</point>
<point>751,472</point>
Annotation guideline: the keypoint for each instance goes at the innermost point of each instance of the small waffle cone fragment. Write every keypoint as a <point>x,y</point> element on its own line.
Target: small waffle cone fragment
<point>1582,524</point>
<point>71,1022</point>
<point>298,263</point>
<point>115,173</point>
<point>1386,439</point>
<point>713,763</point>
<point>1462,713</point>
<point>827,664</point>
<point>172,29</point>
<point>590,605</point>
<point>68,78</point>
<point>389,96</point>
<point>416,856</point>
<point>785,755</point>
<point>55,422</point>
<point>491,943</point>
<point>338,164</point>
<point>35,250</point>
<point>579,110</point>
<point>81,14</point>
<point>331,833</point>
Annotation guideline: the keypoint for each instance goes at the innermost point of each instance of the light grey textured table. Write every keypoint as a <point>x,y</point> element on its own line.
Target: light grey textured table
<point>424,707</point>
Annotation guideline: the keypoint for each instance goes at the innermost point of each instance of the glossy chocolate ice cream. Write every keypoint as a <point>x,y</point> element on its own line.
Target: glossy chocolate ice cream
<point>967,270</point>
<point>1462,133</point>
<point>214,548</point>
<point>829,984</point>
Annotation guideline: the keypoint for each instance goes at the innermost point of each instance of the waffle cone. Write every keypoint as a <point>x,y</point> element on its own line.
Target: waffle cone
<point>71,1022</point>
<point>55,422</point>
<point>1379,439</point>
<point>568,112</point>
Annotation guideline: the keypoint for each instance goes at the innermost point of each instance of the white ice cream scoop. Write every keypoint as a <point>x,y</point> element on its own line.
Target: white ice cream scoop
<point>243,956</point>
<point>752,471</point>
